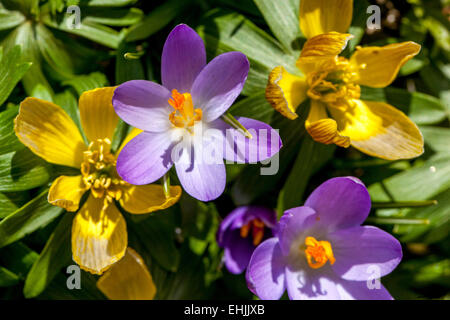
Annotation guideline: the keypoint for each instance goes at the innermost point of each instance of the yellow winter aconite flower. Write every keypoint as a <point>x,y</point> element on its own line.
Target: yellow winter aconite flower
<point>99,233</point>
<point>332,83</point>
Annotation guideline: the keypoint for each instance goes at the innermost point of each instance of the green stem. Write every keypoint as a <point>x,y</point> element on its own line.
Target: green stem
<point>378,220</point>
<point>133,55</point>
<point>229,119</point>
<point>166,185</point>
<point>403,204</point>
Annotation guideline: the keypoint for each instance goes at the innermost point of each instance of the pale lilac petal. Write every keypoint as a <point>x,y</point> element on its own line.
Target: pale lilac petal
<point>238,215</point>
<point>362,252</point>
<point>146,158</point>
<point>340,203</point>
<point>311,284</point>
<point>359,290</point>
<point>219,84</point>
<point>294,226</point>
<point>265,271</point>
<point>183,58</point>
<point>238,252</point>
<point>143,104</point>
<point>264,144</point>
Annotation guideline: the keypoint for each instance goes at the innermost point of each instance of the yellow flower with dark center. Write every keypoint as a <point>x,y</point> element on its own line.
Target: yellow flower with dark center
<point>99,233</point>
<point>332,83</point>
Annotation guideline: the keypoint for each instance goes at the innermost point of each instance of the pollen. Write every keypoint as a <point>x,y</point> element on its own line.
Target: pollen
<point>184,116</point>
<point>257,228</point>
<point>318,253</point>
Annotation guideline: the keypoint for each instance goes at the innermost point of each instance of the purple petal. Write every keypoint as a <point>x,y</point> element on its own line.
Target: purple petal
<point>340,203</point>
<point>359,290</point>
<point>264,144</point>
<point>219,84</point>
<point>183,58</point>
<point>143,104</point>
<point>364,252</point>
<point>145,159</point>
<point>294,226</point>
<point>265,271</point>
<point>238,252</point>
<point>311,284</point>
<point>202,180</point>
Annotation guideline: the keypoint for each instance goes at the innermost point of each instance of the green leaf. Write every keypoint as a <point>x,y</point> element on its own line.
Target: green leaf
<point>12,69</point>
<point>113,17</point>
<point>110,3</point>
<point>10,202</point>
<point>283,20</point>
<point>7,278</point>
<point>34,215</point>
<point>8,139</point>
<point>10,19</point>
<point>18,258</point>
<point>55,255</point>
<point>359,23</point>
<point>255,107</point>
<point>87,82</point>
<point>437,138</point>
<point>128,69</point>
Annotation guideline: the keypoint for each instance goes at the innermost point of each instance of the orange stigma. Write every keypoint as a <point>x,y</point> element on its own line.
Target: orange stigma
<point>318,252</point>
<point>184,115</point>
<point>257,227</point>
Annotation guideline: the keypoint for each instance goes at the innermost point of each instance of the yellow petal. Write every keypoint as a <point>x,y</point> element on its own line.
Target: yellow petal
<point>285,92</point>
<point>99,237</point>
<point>98,118</point>
<point>379,66</point>
<point>128,279</point>
<point>323,129</point>
<point>380,130</point>
<point>148,198</point>
<point>66,192</point>
<point>323,16</point>
<point>133,133</point>
<point>49,132</point>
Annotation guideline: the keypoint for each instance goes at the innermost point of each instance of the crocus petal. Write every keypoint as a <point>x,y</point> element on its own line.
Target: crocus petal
<point>183,58</point>
<point>201,180</point>
<point>238,252</point>
<point>98,118</point>
<point>148,198</point>
<point>323,16</point>
<point>340,203</point>
<point>99,236</point>
<point>265,271</point>
<point>49,132</point>
<point>361,252</point>
<point>264,144</point>
<point>292,225</point>
<point>219,84</point>
<point>133,134</point>
<point>380,130</point>
<point>309,284</point>
<point>146,158</point>
<point>143,104</point>
<point>359,290</point>
<point>66,192</point>
<point>128,279</point>
<point>323,129</point>
<point>285,92</point>
<point>379,66</point>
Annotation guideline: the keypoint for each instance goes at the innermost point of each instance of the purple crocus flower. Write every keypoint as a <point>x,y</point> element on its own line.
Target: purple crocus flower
<point>241,232</point>
<point>176,116</point>
<point>321,251</point>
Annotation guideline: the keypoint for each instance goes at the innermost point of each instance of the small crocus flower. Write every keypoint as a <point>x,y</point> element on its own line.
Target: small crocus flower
<point>332,83</point>
<point>241,232</point>
<point>321,251</point>
<point>99,233</point>
<point>193,97</point>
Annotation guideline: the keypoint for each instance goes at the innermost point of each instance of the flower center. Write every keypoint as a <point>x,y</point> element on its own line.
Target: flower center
<point>184,116</point>
<point>334,83</point>
<point>318,252</point>
<point>99,171</point>
<point>257,228</point>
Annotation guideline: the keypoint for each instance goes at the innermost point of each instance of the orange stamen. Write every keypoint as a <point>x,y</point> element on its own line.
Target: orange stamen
<point>257,227</point>
<point>318,252</point>
<point>184,115</point>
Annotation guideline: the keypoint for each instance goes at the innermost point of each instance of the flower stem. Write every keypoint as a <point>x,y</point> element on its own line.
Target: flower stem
<point>404,204</point>
<point>166,185</point>
<point>229,119</point>
<point>378,220</point>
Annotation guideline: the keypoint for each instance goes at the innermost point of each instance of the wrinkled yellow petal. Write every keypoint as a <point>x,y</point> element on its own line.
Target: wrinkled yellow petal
<point>66,192</point>
<point>380,130</point>
<point>148,198</point>
<point>98,118</point>
<point>99,237</point>
<point>128,279</point>
<point>379,66</point>
<point>49,132</point>
<point>323,16</point>
<point>323,129</point>
<point>285,92</point>
<point>133,133</point>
